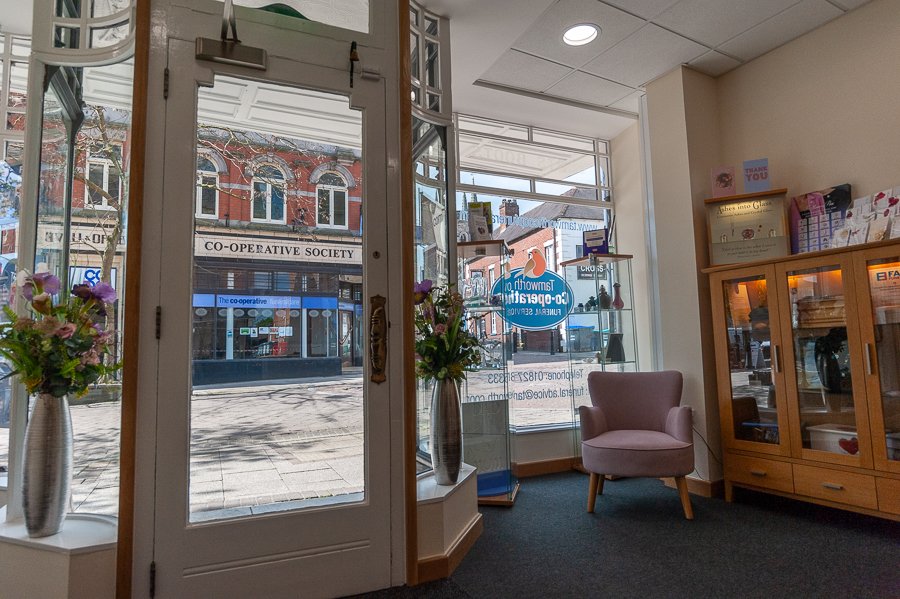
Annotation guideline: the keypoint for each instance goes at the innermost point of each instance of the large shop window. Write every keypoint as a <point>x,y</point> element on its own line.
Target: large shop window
<point>207,188</point>
<point>268,195</point>
<point>544,189</point>
<point>331,194</point>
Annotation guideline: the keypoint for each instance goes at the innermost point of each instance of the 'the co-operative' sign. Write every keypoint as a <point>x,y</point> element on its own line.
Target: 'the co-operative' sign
<point>535,298</point>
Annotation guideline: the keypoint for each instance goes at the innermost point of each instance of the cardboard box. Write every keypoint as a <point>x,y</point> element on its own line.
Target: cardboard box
<point>835,438</point>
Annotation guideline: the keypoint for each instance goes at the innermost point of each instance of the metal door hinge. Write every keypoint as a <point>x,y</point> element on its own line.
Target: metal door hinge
<point>158,321</point>
<point>166,84</point>
<point>152,579</point>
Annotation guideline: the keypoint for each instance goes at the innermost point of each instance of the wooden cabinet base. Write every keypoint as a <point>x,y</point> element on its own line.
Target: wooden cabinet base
<point>855,490</point>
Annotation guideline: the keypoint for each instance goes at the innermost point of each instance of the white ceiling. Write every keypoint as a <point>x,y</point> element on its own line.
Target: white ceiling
<point>509,60</point>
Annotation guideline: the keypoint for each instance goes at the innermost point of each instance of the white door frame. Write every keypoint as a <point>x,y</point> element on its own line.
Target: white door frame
<point>180,20</point>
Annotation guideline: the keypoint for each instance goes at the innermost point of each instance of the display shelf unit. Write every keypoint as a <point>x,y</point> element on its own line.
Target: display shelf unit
<point>485,407</point>
<point>596,337</point>
<point>808,367</point>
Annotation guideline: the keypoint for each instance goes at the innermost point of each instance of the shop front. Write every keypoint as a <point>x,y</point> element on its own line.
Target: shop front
<point>269,308</point>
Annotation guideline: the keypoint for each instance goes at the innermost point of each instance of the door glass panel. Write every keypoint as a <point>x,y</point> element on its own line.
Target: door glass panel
<point>824,385</point>
<point>54,186</point>
<point>277,405</point>
<point>749,360</point>
<point>347,14</point>
<point>884,287</point>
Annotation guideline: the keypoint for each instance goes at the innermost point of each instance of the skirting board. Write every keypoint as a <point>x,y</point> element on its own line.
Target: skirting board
<point>442,566</point>
<point>526,469</point>
<point>698,486</point>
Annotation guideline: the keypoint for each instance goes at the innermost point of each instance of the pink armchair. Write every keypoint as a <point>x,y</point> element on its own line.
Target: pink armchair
<point>635,428</point>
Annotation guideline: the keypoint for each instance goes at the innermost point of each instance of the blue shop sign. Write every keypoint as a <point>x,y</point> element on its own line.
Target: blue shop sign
<point>258,301</point>
<point>532,302</point>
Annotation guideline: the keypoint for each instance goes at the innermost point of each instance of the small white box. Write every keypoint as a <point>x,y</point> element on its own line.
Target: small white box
<point>836,438</point>
<point>893,446</point>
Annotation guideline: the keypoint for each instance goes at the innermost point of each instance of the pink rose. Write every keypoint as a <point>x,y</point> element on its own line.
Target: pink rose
<point>440,329</point>
<point>66,330</point>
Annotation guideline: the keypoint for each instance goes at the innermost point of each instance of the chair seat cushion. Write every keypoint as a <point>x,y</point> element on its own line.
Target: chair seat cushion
<point>637,453</point>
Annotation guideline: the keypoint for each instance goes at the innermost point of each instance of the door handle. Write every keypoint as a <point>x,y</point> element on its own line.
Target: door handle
<point>377,339</point>
<point>868,352</point>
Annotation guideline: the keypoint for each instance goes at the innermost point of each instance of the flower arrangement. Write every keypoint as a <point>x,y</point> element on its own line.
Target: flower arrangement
<point>445,349</point>
<point>59,349</point>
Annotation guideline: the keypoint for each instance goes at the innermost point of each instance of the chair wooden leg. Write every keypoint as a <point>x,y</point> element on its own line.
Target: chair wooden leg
<point>602,478</point>
<point>592,491</point>
<point>681,483</point>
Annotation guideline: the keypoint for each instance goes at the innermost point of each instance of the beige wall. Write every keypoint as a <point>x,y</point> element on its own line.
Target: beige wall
<point>631,227</point>
<point>824,109</point>
<point>682,120</point>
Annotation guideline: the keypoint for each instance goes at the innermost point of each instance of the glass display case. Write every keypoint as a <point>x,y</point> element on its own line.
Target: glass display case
<point>749,374</point>
<point>878,280</point>
<point>485,402</point>
<point>808,372</point>
<point>599,333</point>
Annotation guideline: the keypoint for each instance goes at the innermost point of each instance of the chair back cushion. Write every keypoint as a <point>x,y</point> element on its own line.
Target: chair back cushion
<point>636,400</point>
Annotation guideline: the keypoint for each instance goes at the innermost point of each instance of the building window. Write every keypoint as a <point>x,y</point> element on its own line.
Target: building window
<point>207,189</point>
<point>550,256</point>
<point>268,195</point>
<point>331,209</point>
<point>103,183</point>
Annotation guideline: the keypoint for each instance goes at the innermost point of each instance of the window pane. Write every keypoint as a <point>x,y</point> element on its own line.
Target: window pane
<point>497,181</point>
<point>95,177</point>
<point>324,209</point>
<point>431,26</point>
<point>332,179</point>
<point>205,164</point>
<point>561,189</point>
<point>431,64</point>
<point>115,185</point>
<point>259,201</point>
<point>562,139</point>
<point>277,204</point>
<point>18,84</point>
<point>521,159</point>
<point>479,125</point>
<point>414,56</point>
<point>208,196</point>
<point>340,209</point>
<point>346,14</point>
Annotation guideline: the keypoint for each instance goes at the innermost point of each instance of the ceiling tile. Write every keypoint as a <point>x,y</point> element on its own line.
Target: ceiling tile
<point>587,88</point>
<point>779,30</point>
<point>851,4</point>
<point>631,102</point>
<point>525,72</point>
<point>646,9</point>
<point>714,21</point>
<point>544,37</point>
<point>644,55</point>
<point>714,63</point>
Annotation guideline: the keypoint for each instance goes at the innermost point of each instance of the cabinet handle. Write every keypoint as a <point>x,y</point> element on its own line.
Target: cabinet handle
<point>833,486</point>
<point>758,472</point>
<point>869,359</point>
<point>776,358</point>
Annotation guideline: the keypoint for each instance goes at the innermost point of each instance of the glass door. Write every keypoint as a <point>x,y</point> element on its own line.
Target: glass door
<point>823,364</point>
<point>878,292</point>
<point>750,361</point>
<point>273,468</point>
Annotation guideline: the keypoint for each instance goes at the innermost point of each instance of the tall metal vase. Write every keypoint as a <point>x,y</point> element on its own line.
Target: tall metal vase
<point>446,431</point>
<point>47,482</point>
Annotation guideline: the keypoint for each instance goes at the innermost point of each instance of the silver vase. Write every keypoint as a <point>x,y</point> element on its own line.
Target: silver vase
<point>446,431</point>
<point>47,482</point>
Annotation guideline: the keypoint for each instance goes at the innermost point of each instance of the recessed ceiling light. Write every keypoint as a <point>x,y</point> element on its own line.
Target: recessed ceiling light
<point>579,35</point>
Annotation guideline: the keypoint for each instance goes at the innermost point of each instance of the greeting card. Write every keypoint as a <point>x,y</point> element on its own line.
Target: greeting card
<point>840,237</point>
<point>756,175</point>
<point>878,229</point>
<point>858,233</point>
<point>722,181</point>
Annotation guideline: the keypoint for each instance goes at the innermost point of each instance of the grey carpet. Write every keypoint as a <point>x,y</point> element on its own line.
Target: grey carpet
<point>638,544</point>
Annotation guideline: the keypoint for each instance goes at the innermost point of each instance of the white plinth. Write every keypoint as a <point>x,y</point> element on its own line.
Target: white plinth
<point>446,513</point>
<point>77,563</point>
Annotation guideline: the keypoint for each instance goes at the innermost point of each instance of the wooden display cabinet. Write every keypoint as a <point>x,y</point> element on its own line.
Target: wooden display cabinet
<point>808,369</point>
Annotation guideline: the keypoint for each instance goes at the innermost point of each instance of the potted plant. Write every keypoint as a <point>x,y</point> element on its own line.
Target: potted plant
<point>445,351</point>
<point>57,350</point>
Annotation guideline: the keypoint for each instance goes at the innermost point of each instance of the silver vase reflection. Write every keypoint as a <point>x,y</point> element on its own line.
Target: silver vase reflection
<point>446,431</point>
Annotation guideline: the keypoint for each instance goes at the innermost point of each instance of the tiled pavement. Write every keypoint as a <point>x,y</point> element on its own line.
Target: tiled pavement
<point>256,447</point>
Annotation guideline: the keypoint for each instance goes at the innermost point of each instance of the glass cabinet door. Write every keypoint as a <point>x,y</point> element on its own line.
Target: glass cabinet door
<point>828,412</point>
<point>879,279</point>
<point>749,382</point>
